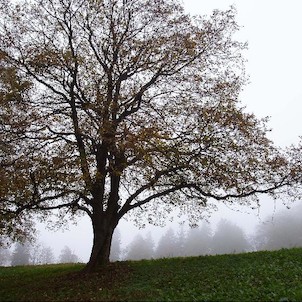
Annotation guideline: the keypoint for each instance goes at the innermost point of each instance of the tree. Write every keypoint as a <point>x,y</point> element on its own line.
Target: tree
<point>199,241</point>
<point>168,245</point>
<point>15,115</point>
<point>41,254</point>
<point>229,238</point>
<point>47,255</point>
<point>136,105</point>
<point>67,256</point>
<point>181,241</point>
<point>140,248</point>
<point>21,254</point>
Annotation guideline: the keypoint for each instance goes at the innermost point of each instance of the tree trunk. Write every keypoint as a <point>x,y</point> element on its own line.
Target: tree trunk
<point>103,229</point>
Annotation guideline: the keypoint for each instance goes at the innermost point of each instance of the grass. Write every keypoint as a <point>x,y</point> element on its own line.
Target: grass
<point>260,276</point>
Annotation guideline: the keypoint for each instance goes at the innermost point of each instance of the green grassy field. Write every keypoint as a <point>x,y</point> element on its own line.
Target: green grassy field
<point>261,276</point>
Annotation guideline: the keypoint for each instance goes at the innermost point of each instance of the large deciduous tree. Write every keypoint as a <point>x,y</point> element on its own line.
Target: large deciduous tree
<point>136,107</point>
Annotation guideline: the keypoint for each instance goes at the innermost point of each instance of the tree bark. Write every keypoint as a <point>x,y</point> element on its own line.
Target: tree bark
<point>103,228</point>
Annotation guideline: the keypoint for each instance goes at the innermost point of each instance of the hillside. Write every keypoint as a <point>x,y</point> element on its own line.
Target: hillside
<point>261,276</point>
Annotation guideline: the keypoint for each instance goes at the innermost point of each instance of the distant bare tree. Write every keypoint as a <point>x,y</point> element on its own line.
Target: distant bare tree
<point>47,255</point>
<point>67,256</point>
<point>35,253</point>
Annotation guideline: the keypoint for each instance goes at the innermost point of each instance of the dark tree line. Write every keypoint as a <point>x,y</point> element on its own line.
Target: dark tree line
<point>226,239</point>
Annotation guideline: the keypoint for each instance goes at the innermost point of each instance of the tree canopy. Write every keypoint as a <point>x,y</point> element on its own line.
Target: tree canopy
<point>131,105</point>
<point>15,117</point>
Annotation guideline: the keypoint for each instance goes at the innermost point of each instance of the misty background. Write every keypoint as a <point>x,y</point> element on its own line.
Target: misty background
<point>272,29</point>
<point>283,230</point>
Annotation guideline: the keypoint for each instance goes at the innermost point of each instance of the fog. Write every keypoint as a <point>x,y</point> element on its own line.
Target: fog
<point>283,229</point>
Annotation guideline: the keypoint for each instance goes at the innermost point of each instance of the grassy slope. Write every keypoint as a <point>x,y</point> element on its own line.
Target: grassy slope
<point>261,276</point>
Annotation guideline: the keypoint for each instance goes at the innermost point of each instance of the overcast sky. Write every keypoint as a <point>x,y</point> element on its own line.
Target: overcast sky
<point>272,29</point>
